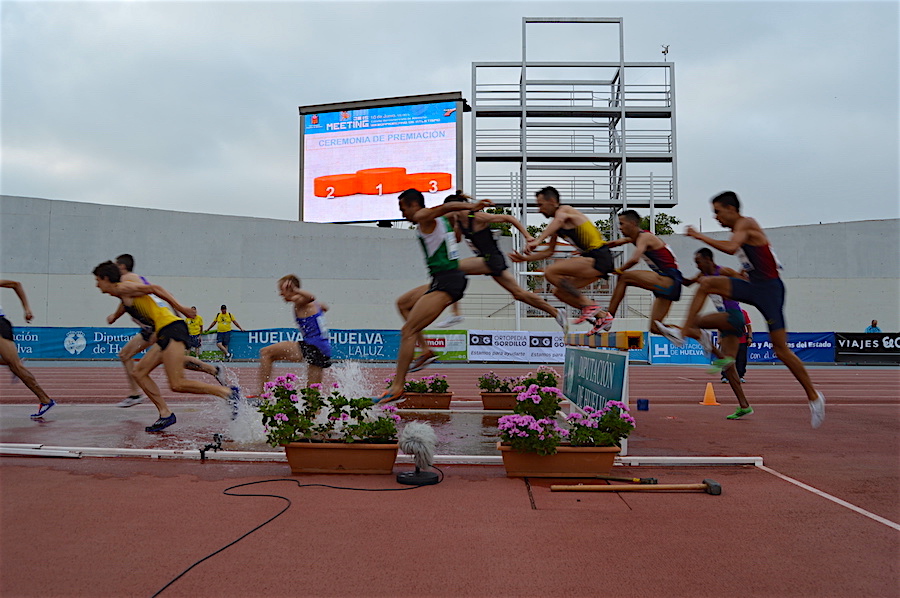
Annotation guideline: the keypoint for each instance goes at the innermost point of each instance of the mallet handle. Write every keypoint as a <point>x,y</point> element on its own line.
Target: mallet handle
<point>623,487</point>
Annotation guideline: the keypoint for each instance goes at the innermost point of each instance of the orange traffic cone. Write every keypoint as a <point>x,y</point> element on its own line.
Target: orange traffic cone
<point>709,397</point>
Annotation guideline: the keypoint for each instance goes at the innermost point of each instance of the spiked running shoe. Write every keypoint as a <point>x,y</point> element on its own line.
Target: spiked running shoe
<point>589,311</point>
<point>161,424</point>
<point>130,401</point>
<point>671,333</point>
<point>421,362</point>
<point>235,400</point>
<point>706,341</point>
<point>220,375</point>
<point>816,409</point>
<point>42,409</point>
<point>719,364</point>
<point>388,397</point>
<point>603,324</point>
<point>741,412</point>
<point>562,320</point>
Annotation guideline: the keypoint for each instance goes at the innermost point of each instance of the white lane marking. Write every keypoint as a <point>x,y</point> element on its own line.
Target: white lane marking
<point>834,499</point>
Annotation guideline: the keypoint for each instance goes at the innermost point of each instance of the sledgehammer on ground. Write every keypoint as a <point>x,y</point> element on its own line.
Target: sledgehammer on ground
<point>708,486</point>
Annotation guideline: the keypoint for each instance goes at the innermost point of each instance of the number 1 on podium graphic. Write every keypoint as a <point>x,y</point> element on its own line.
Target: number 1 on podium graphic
<point>380,181</point>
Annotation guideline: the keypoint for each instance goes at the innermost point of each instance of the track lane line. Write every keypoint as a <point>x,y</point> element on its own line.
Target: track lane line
<point>833,499</point>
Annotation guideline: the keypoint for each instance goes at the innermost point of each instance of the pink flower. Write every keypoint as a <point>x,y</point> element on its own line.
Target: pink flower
<point>316,386</point>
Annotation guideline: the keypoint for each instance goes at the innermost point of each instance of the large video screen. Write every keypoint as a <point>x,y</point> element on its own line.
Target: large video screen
<point>355,163</point>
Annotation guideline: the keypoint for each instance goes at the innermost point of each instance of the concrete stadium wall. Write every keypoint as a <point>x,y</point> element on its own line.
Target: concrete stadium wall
<point>839,276</point>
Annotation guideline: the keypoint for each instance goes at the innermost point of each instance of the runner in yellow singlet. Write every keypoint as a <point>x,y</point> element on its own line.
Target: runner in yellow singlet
<point>171,341</point>
<point>568,275</point>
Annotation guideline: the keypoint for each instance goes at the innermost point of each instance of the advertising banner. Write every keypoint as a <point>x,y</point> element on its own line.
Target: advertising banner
<point>591,377</point>
<point>867,347</point>
<point>449,344</point>
<point>499,345</point>
<point>663,351</point>
<point>810,347</point>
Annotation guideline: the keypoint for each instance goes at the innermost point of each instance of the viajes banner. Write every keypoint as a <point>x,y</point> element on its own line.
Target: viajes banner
<point>867,347</point>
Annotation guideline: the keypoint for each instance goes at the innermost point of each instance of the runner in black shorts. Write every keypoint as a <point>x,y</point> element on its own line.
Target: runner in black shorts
<point>172,341</point>
<point>422,305</point>
<point>765,290</point>
<point>9,354</point>
<point>476,228</point>
<point>569,275</point>
<point>314,345</point>
<point>664,278</point>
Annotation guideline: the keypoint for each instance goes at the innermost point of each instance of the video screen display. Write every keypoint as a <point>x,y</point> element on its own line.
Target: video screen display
<point>356,163</point>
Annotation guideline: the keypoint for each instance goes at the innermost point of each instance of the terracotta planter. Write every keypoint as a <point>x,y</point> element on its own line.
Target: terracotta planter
<point>340,457</point>
<point>499,400</point>
<point>568,462</point>
<point>426,400</point>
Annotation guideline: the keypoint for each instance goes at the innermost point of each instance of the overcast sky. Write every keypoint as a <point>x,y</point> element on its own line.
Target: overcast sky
<point>193,105</point>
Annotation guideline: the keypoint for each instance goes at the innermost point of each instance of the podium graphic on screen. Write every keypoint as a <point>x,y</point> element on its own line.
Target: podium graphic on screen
<point>380,181</point>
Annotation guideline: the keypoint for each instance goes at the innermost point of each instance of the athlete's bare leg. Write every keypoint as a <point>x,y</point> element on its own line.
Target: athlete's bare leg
<point>423,313</point>
<point>283,351</point>
<point>728,347</point>
<point>793,363</point>
<point>149,362</point>
<point>709,285</point>
<point>126,356</point>
<point>643,279</point>
<point>9,356</point>
<point>405,304</point>
<point>173,361</point>
<point>569,275</point>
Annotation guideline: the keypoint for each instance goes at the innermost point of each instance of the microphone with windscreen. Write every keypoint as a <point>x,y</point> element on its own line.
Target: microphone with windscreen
<point>418,439</point>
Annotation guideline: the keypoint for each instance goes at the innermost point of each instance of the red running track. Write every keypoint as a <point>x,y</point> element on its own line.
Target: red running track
<point>125,527</point>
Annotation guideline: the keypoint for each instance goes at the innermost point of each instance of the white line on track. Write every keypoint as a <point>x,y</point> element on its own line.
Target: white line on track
<point>833,499</point>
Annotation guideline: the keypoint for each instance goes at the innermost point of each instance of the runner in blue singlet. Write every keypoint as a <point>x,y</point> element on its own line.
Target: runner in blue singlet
<point>313,344</point>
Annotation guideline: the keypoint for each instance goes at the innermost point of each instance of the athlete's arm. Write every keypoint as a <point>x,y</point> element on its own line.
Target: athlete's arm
<point>739,236</point>
<point>732,273</point>
<point>643,243</point>
<point>562,213</point>
<point>534,256</point>
<point>491,218</point>
<point>298,297</point>
<point>133,289</point>
<point>619,241</point>
<point>120,311</point>
<point>689,281</point>
<point>20,292</point>
<point>430,214</point>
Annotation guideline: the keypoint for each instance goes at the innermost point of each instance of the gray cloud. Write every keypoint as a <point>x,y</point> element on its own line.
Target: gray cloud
<point>192,105</point>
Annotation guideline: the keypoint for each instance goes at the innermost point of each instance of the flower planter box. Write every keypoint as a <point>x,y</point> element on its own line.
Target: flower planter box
<point>499,400</point>
<point>426,400</point>
<point>568,462</point>
<point>340,457</point>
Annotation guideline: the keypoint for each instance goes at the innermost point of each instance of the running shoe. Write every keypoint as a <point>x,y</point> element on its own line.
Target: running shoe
<point>719,364</point>
<point>603,324</point>
<point>671,333</point>
<point>388,397</point>
<point>741,412</point>
<point>725,380</point>
<point>161,424</point>
<point>588,311</point>
<point>42,409</point>
<point>421,362</point>
<point>220,375</point>
<point>130,401</point>
<point>816,408</point>
<point>235,400</point>
<point>448,322</point>
<point>706,341</point>
<point>562,320</point>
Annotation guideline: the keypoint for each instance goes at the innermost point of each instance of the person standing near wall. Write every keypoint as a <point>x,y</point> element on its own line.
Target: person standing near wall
<point>222,322</point>
<point>195,329</point>
<point>9,354</point>
<point>873,327</point>
<point>764,289</point>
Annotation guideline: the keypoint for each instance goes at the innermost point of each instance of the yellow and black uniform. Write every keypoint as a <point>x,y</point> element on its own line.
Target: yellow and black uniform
<point>590,242</point>
<point>167,325</point>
